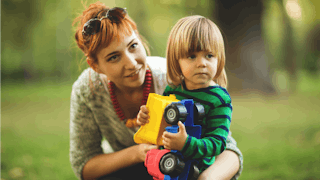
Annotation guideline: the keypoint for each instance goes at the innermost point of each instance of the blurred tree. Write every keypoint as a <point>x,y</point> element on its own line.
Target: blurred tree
<point>299,36</point>
<point>36,36</point>
<point>289,54</point>
<point>247,63</point>
<point>312,60</point>
<point>35,40</point>
<point>17,21</point>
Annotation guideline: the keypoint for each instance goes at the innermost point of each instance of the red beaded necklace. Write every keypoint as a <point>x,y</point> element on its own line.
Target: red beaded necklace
<point>146,90</point>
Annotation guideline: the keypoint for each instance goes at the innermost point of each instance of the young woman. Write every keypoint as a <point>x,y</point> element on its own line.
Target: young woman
<point>106,99</point>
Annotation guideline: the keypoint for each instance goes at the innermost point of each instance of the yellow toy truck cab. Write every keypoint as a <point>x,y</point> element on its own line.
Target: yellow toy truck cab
<point>151,133</point>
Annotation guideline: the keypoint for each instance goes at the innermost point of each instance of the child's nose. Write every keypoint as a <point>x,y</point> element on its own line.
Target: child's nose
<point>201,62</point>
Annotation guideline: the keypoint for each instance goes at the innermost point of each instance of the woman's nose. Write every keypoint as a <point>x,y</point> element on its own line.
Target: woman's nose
<point>130,61</point>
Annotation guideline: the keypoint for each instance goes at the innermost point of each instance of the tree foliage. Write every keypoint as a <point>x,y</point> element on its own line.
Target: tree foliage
<point>38,38</point>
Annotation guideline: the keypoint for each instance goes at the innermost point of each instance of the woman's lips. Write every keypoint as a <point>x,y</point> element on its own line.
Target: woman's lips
<point>134,73</point>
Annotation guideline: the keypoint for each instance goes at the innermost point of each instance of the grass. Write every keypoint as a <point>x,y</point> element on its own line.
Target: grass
<point>35,131</point>
<point>279,136</point>
<point>280,139</point>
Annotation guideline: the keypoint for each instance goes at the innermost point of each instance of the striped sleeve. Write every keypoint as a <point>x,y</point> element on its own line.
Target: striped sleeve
<point>215,126</point>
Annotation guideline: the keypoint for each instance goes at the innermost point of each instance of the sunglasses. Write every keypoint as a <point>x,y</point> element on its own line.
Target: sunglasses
<point>92,26</point>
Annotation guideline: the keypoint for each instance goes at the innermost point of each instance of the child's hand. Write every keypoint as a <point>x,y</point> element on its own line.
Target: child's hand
<point>143,116</point>
<point>175,141</point>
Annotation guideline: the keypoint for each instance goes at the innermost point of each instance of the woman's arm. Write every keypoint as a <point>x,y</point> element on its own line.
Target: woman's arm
<point>105,164</point>
<point>225,167</point>
<point>86,155</point>
<point>228,164</point>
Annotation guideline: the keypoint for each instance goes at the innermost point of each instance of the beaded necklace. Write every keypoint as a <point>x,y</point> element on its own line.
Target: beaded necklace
<point>146,90</point>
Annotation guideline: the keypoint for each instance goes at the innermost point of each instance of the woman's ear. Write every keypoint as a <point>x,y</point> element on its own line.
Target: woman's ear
<point>96,68</point>
<point>93,65</point>
<point>89,62</point>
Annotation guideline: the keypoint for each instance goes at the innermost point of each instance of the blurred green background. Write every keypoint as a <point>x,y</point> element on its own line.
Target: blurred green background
<point>273,66</point>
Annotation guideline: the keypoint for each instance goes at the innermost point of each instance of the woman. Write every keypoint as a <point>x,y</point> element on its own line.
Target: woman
<point>106,99</point>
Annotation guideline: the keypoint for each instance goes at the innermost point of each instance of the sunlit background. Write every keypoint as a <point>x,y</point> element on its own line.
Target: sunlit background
<point>273,68</point>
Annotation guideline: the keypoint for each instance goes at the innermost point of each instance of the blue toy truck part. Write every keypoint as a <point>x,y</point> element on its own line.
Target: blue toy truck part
<point>185,111</point>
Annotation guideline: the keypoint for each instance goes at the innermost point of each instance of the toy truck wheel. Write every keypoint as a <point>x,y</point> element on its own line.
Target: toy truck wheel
<point>174,113</point>
<point>199,113</point>
<point>171,164</point>
<point>193,173</point>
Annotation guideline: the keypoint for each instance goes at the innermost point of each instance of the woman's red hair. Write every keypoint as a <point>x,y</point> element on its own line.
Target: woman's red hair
<point>109,30</point>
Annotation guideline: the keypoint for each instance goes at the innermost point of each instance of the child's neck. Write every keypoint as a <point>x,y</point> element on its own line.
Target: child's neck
<point>191,87</point>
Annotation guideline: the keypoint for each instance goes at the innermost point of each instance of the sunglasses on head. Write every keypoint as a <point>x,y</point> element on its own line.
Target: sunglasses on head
<point>92,26</point>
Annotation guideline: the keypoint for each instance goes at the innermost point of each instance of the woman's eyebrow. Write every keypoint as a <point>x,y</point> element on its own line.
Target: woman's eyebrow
<point>114,52</point>
<point>131,42</point>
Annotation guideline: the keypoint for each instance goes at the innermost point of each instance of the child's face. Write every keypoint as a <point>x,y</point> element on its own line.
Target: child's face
<point>198,69</point>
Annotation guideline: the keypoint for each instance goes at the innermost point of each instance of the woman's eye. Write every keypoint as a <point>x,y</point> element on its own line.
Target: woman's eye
<point>134,45</point>
<point>113,58</point>
<point>192,57</point>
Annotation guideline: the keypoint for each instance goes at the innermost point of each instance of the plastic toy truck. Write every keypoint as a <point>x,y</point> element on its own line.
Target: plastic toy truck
<point>151,133</point>
<point>165,112</point>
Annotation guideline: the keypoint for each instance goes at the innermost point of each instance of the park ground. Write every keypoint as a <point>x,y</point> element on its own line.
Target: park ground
<point>278,135</point>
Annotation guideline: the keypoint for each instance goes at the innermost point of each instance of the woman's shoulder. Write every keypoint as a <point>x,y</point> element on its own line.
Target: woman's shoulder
<point>86,81</point>
<point>158,67</point>
<point>156,63</point>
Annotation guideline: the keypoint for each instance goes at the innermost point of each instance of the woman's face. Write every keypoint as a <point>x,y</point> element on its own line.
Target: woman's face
<point>124,62</point>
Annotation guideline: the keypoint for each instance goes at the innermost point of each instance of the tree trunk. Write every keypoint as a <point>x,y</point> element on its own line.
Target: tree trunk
<point>246,62</point>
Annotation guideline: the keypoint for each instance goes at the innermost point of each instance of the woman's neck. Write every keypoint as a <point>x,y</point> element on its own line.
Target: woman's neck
<point>127,91</point>
<point>129,100</point>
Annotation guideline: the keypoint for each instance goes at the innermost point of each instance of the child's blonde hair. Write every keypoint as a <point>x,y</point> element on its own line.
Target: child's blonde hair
<point>192,34</point>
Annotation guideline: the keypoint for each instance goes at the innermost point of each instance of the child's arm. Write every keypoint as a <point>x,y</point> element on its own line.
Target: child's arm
<point>214,138</point>
<point>142,117</point>
<point>213,141</point>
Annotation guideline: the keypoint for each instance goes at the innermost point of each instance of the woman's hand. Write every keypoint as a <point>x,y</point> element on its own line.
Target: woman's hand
<point>175,141</point>
<point>143,116</point>
<point>142,149</point>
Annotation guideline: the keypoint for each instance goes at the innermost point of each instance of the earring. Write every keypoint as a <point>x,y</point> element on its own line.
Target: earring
<point>181,78</point>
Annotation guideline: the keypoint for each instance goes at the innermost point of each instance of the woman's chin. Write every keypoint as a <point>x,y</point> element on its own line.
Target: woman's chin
<point>134,82</point>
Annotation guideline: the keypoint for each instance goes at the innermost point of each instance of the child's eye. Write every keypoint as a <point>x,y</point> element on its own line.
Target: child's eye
<point>209,56</point>
<point>192,57</point>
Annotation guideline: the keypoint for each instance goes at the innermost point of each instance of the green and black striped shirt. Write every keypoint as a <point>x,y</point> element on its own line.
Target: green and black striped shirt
<point>215,125</point>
